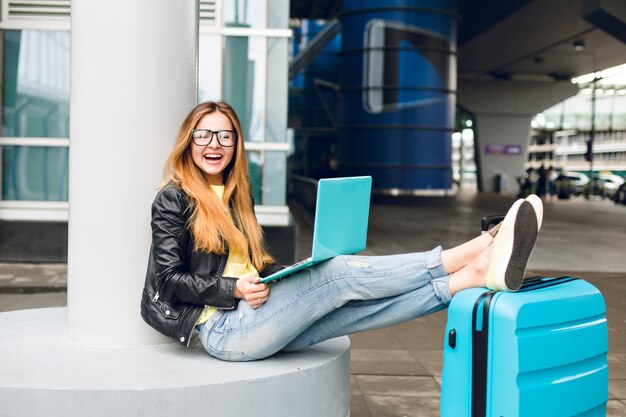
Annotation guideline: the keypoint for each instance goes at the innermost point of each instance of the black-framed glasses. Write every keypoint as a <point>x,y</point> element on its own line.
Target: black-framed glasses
<point>203,137</point>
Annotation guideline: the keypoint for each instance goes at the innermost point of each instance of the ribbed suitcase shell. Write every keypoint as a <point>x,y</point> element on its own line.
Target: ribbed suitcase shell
<point>546,352</point>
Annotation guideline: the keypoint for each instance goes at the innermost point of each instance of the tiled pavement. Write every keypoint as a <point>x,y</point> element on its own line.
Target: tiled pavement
<point>397,371</point>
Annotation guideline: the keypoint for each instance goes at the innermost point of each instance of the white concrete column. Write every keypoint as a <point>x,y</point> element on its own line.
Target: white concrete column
<point>133,80</point>
<point>498,159</point>
<point>503,110</point>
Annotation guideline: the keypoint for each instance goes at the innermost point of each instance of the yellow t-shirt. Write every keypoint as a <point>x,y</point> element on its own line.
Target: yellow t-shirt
<point>237,265</point>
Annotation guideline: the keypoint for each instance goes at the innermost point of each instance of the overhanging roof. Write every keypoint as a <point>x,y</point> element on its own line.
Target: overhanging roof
<point>531,39</point>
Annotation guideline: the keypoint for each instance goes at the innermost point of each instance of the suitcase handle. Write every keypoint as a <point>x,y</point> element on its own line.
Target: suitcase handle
<point>538,282</point>
<point>488,221</point>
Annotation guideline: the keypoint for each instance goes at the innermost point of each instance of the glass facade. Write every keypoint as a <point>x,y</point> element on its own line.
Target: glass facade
<point>244,63</point>
<point>242,59</point>
<point>576,112</point>
<point>34,173</point>
<point>561,133</point>
<point>35,105</point>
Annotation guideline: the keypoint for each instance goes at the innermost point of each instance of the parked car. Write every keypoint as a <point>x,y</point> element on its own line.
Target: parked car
<point>577,181</point>
<point>620,194</point>
<point>606,185</point>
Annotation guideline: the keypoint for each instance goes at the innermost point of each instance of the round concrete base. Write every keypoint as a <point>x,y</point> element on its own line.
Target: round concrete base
<point>42,372</point>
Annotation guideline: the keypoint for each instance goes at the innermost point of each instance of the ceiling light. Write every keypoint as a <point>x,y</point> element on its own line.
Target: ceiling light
<point>579,45</point>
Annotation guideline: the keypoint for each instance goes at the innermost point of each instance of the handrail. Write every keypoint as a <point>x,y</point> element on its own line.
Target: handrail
<point>314,47</point>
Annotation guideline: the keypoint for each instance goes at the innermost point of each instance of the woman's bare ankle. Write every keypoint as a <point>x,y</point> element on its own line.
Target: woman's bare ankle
<point>473,275</point>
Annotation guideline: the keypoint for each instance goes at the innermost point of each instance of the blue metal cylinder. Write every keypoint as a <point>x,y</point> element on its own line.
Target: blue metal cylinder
<point>397,92</point>
<point>316,140</point>
<point>295,45</point>
<point>325,67</point>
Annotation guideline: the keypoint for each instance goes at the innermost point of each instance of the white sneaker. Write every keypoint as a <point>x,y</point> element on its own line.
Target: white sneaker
<point>538,206</point>
<point>513,245</point>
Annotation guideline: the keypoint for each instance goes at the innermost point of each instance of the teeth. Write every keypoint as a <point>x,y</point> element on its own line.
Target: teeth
<point>212,156</point>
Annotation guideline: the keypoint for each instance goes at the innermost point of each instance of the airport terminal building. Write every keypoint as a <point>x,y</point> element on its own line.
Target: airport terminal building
<point>425,96</point>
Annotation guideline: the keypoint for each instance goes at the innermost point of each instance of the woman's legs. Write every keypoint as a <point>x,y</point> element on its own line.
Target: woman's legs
<point>296,304</point>
<point>473,274</point>
<point>359,316</point>
<point>460,256</point>
<point>355,293</point>
<point>501,265</point>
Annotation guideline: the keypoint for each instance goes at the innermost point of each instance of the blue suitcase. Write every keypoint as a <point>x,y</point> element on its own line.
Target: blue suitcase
<point>541,351</point>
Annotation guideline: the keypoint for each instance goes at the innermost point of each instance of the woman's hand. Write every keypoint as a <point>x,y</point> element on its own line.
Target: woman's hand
<point>250,289</point>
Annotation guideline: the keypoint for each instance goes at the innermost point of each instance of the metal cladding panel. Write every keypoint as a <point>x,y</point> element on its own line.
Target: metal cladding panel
<point>398,86</point>
<point>395,156</point>
<point>325,67</point>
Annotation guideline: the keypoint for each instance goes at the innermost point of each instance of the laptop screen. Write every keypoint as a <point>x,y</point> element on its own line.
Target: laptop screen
<point>341,216</point>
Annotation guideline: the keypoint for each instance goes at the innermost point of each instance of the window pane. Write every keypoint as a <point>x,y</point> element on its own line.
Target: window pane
<point>249,14</point>
<point>36,80</point>
<point>274,178</point>
<point>277,76</point>
<point>35,103</point>
<point>255,167</point>
<point>34,173</point>
<point>209,65</point>
<point>277,14</point>
<point>244,82</point>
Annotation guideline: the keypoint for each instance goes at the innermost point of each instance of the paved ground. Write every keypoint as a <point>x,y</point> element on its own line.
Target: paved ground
<point>397,371</point>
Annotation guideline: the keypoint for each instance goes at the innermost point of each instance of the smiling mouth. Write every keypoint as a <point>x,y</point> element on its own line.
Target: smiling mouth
<point>212,157</point>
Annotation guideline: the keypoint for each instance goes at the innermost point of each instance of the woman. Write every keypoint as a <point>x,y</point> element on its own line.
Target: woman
<point>208,253</point>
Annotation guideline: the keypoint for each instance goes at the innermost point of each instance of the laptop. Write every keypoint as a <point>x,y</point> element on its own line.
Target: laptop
<point>341,215</point>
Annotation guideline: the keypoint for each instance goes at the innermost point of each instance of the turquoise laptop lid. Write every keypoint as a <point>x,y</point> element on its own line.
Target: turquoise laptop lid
<point>341,216</point>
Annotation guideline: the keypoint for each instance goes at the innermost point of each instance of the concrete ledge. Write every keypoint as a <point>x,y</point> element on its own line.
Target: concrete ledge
<point>44,373</point>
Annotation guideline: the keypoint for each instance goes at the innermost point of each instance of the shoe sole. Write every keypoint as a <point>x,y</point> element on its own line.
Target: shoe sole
<point>538,206</point>
<point>502,249</point>
<point>524,237</point>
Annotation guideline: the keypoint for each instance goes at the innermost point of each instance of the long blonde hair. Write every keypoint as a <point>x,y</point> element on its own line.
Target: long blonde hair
<point>214,224</point>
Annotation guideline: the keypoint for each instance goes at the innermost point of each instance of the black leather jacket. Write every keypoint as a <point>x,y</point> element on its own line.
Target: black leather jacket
<point>180,280</point>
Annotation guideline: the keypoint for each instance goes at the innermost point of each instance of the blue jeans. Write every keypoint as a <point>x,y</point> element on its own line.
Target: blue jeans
<point>344,295</point>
